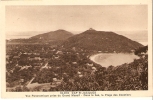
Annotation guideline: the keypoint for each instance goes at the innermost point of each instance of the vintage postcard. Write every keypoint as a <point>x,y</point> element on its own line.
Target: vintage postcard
<point>56,49</point>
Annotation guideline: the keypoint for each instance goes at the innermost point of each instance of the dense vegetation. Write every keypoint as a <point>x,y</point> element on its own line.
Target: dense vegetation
<point>141,50</point>
<point>101,40</point>
<point>133,76</point>
<point>69,63</point>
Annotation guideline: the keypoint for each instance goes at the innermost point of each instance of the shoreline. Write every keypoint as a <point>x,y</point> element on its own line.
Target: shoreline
<point>114,59</point>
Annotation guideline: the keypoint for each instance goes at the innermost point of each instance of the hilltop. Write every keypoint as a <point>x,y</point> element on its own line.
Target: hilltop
<point>49,37</point>
<point>104,41</point>
<point>53,35</point>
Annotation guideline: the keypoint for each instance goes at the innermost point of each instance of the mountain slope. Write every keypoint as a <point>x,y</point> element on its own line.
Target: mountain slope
<point>101,40</point>
<point>52,37</point>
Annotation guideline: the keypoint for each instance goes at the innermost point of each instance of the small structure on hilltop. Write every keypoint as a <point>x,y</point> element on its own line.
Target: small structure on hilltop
<point>91,29</point>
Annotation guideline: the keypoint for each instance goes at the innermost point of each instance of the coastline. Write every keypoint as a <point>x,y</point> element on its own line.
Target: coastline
<point>114,59</point>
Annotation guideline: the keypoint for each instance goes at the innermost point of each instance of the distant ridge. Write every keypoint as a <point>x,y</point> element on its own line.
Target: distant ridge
<point>49,37</point>
<point>104,41</point>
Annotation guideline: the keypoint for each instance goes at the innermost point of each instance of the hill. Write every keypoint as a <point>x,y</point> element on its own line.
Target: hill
<point>104,41</point>
<point>53,35</point>
<point>49,37</point>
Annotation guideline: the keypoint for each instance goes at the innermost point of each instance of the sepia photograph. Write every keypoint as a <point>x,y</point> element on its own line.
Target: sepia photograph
<point>77,50</point>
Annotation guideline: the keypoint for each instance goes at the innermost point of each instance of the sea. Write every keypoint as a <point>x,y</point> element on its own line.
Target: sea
<point>139,36</point>
<point>115,59</point>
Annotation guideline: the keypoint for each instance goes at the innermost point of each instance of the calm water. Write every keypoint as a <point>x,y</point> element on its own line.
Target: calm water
<point>115,59</point>
<point>139,36</point>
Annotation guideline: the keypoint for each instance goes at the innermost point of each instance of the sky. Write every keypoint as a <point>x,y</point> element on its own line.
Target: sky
<point>76,18</point>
